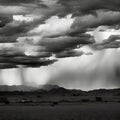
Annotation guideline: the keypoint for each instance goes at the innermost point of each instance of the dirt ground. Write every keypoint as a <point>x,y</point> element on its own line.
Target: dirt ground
<point>83,111</point>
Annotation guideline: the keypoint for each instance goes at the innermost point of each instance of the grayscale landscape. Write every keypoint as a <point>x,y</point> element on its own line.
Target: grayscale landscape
<point>59,59</point>
<point>57,103</point>
<point>86,111</point>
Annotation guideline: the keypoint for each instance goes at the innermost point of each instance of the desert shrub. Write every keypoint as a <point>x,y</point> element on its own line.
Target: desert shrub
<point>7,102</point>
<point>38,96</point>
<point>4,100</point>
<point>24,100</point>
<point>54,103</point>
<point>85,100</point>
<point>75,95</point>
<point>99,99</point>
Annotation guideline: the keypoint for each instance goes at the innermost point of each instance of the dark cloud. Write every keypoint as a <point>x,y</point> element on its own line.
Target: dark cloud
<point>112,38</point>
<point>39,64</point>
<point>112,42</point>
<point>76,6</point>
<point>16,62</point>
<point>46,30</point>
<point>8,39</point>
<point>5,19</point>
<point>16,28</point>
<point>85,6</point>
<point>21,47</point>
<point>83,23</point>
<point>17,1</point>
<point>7,65</point>
<point>15,54</point>
<point>11,30</point>
<point>69,53</point>
<point>62,43</point>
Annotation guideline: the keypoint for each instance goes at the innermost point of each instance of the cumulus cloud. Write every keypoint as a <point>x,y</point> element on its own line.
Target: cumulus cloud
<point>86,6</point>
<point>54,26</point>
<point>13,9</point>
<point>113,41</point>
<point>92,21</point>
<point>36,29</point>
<point>15,55</point>
<point>16,1</point>
<point>65,42</point>
<point>5,19</point>
<point>35,33</point>
<point>69,53</point>
<point>112,38</point>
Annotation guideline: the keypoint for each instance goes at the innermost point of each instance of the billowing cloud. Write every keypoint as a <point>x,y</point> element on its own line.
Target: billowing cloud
<point>16,1</point>
<point>69,53</point>
<point>54,26</point>
<point>35,33</point>
<point>14,9</point>
<point>5,19</point>
<point>92,21</point>
<point>112,42</point>
<point>85,6</point>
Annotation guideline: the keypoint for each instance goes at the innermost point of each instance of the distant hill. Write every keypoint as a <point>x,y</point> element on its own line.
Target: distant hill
<point>105,92</point>
<point>48,87</point>
<point>27,88</point>
<point>16,88</point>
<point>57,90</point>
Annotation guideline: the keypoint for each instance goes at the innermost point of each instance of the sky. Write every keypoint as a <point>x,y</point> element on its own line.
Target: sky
<point>71,43</point>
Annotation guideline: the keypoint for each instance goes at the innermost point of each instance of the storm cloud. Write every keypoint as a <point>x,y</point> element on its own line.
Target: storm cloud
<point>36,33</point>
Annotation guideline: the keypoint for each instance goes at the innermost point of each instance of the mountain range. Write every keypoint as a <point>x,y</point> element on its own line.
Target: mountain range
<point>26,88</point>
<point>55,89</point>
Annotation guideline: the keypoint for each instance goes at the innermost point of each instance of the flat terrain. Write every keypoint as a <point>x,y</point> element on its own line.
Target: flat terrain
<point>81,111</point>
